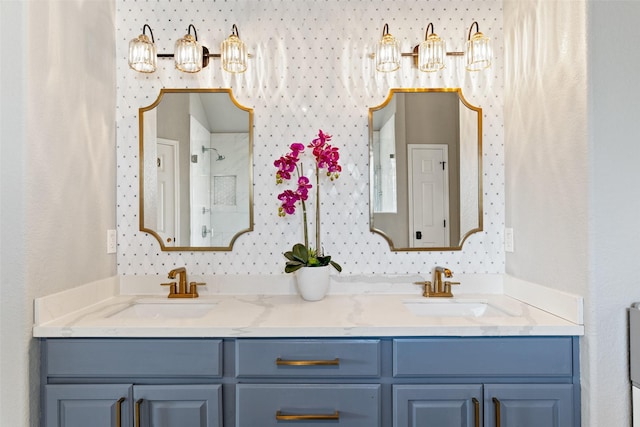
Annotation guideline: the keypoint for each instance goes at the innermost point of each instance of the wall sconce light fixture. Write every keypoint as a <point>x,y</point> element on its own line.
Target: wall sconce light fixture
<point>429,55</point>
<point>478,50</point>
<point>431,52</point>
<point>234,53</point>
<point>142,52</point>
<point>189,55</point>
<point>387,52</point>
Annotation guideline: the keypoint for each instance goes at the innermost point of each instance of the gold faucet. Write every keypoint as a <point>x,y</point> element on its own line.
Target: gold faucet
<point>438,288</point>
<point>181,291</point>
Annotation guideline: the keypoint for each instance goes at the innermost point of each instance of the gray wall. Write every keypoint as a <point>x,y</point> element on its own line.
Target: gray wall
<point>572,176</point>
<point>58,162</point>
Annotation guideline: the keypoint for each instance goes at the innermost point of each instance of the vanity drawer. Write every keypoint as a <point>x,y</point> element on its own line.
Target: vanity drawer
<point>300,405</point>
<point>477,357</point>
<point>307,358</point>
<point>158,358</point>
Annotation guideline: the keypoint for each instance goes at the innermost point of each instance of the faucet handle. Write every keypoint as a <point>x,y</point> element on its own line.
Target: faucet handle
<point>447,286</point>
<point>193,289</point>
<point>172,287</point>
<point>428,290</point>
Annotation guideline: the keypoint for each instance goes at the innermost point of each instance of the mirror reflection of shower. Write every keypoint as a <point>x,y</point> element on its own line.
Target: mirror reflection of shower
<point>221,190</point>
<point>220,156</point>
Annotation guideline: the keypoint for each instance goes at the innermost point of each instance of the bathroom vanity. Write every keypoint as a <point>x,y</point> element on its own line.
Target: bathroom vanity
<point>274,360</point>
<point>367,382</point>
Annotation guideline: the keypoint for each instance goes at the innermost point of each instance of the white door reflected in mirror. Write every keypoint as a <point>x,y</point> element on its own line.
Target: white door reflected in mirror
<point>428,196</point>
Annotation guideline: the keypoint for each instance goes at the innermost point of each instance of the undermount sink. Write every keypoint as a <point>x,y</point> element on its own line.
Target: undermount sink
<point>453,308</point>
<point>165,308</point>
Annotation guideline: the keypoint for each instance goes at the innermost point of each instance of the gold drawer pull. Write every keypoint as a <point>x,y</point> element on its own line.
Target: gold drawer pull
<point>282,417</point>
<point>119,411</point>
<point>496,404</point>
<point>282,362</point>
<point>476,406</point>
<point>138,404</point>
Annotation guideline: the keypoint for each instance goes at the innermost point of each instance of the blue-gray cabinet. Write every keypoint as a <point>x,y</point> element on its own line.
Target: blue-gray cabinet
<point>306,405</point>
<point>81,405</point>
<point>132,382</point>
<point>529,405</point>
<point>303,382</point>
<point>97,405</point>
<point>491,382</point>
<point>473,405</point>
<point>449,405</point>
<point>296,382</point>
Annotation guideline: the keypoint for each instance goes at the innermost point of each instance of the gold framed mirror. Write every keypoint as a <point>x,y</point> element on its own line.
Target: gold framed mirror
<point>425,169</point>
<point>196,169</point>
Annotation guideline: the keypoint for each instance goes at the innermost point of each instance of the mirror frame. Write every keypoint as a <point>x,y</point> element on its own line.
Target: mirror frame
<point>462,99</point>
<point>142,110</point>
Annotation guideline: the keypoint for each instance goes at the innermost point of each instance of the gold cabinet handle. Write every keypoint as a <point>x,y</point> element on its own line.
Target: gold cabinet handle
<point>496,404</point>
<point>476,411</point>
<point>282,362</point>
<point>119,411</point>
<point>137,415</point>
<point>282,417</point>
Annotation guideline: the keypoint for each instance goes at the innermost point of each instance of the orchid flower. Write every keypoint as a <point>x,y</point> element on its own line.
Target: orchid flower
<point>326,157</point>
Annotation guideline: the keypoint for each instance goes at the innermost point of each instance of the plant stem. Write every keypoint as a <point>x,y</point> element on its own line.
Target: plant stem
<point>304,225</point>
<point>299,171</point>
<point>318,245</point>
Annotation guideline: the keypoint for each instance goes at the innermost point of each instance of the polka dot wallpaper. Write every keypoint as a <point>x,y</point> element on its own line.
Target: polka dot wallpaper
<point>310,69</point>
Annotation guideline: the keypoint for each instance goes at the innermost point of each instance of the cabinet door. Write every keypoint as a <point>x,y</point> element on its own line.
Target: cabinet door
<point>528,405</point>
<point>80,405</point>
<point>437,405</point>
<point>178,405</point>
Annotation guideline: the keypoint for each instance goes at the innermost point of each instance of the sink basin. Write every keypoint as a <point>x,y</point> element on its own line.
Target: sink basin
<point>165,309</point>
<point>453,308</point>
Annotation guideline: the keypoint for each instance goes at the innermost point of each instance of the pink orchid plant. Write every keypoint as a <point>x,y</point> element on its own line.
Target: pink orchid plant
<point>289,167</point>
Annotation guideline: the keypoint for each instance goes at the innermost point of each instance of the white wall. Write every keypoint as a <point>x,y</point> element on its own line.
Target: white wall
<point>14,322</point>
<point>614,132</point>
<point>546,146</point>
<point>58,171</point>
<point>546,150</point>
<point>572,180</point>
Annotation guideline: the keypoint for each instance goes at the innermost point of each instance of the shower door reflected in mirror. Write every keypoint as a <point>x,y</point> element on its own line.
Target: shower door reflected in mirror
<point>196,169</point>
<point>425,169</point>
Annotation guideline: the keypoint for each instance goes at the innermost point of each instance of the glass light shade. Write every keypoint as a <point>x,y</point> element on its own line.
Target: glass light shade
<point>387,54</point>
<point>233,54</point>
<point>431,54</point>
<point>142,54</point>
<point>188,54</point>
<point>478,52</point>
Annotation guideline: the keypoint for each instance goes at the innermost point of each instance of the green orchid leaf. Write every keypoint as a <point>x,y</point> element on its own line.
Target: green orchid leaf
<point>336,266</point>
<point>324,260</point>
<point>300,253</point>
<point>292,266</point>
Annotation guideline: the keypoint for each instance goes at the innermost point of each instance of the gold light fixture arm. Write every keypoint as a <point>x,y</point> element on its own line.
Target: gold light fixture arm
<point>471,27</point>
<point>426,34</point>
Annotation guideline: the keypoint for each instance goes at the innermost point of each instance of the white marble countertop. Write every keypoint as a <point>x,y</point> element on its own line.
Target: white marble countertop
<point>104,310</point>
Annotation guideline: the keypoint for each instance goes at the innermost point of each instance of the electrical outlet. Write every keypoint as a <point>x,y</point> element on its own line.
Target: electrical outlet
<point>112,241</point>
<point>508,239</point>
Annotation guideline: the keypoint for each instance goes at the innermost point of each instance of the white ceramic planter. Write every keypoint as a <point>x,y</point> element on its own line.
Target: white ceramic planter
<point>313,282</point>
